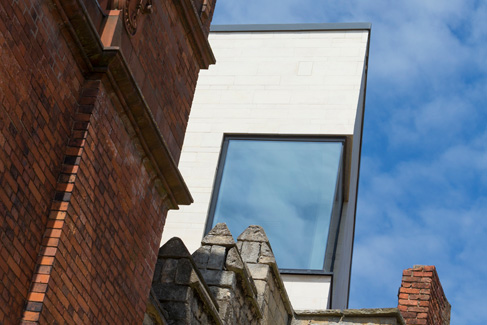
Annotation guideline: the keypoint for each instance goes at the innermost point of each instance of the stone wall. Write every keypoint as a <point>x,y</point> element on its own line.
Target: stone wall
<point>183,295</point>
<point>383,316</point>
<point>228,282</point>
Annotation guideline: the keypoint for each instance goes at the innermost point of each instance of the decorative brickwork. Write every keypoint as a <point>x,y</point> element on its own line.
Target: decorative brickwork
<point>60,204</point>
<point>108,247</point>
<point>164,56</point>
<point>39,88</point>
<point>82,212</point>
<point>421,297</point>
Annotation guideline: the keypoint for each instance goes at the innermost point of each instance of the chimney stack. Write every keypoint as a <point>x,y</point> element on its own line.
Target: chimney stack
<point>421,297</point>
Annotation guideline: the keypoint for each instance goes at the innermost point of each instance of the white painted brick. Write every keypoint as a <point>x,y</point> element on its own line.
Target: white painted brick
<point>257,80</point>
<point>207,96</point>
<point>260,35</point>
<point>306,292</point>
<point>241,96</point>
<point>327,52</point>
<point>305,68</point>
<point>272,97</point>
<point>210,80</point>
<point>275,82</point>
<point>199,127</point>
<point>354,34</point>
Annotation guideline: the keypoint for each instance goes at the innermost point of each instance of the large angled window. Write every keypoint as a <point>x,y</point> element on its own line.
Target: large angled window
<point>289,186</point>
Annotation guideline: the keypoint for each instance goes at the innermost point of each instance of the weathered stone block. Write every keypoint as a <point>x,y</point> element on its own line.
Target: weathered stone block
<point>178,312</point>
<point>220,278</point>
<point>219,235</point>
<point>217,257</point>
<point>173,248</point>
<point>262,293</point>
<point>222,294</point>
<point>158,271</point>
<point>168,272</point>
<point>185,272</point>
<point>250,252</point>
<point>234,261</point>
<point>201,256</point>
<point>266,254</point>
<point>171,292</point>
<point>259,271</point>
<point>253,233</point>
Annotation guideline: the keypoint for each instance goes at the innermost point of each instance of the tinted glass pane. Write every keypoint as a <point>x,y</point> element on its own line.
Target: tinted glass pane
<point>287,187</point>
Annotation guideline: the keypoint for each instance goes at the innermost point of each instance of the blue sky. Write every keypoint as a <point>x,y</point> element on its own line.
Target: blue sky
<point>423,186</point>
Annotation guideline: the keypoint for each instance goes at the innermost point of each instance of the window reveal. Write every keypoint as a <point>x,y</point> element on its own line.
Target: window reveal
<point>289,186</point>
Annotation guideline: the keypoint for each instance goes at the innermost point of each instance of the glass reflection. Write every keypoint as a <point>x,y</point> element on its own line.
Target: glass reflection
<point>287,187</point>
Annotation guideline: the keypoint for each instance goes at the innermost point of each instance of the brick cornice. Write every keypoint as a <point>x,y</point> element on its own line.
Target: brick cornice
<point>110,60</point>
<point>195,33</point>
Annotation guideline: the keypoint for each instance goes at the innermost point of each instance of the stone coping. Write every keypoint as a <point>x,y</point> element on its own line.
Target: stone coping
<point>348,313</point>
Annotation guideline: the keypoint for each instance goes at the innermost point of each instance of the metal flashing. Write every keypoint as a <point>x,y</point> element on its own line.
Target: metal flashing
<point>291,27</point>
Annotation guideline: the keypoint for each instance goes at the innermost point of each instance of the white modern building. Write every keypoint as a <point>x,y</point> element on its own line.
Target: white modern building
<point>274,139</point>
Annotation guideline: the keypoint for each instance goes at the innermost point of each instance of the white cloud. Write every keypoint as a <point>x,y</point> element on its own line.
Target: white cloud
<point>423,187</point>
<point>424,212</point>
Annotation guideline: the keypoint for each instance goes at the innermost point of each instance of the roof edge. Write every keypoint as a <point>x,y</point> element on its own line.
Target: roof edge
<point>291,27</point>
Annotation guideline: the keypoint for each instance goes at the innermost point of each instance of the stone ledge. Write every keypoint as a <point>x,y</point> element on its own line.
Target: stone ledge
<point>345,314</point>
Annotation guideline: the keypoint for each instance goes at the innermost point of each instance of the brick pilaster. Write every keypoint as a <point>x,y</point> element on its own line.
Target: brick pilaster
<point>421,297</point>
<point>60,203</point>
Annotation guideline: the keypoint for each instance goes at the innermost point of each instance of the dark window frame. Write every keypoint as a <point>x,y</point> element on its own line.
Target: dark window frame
<point>335,218</point>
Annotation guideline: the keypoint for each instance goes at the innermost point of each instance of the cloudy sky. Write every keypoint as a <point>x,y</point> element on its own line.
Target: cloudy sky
<point>423,186</point>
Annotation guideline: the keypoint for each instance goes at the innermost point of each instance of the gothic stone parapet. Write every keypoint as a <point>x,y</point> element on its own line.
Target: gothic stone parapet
<point>228,282</point>
<point>223,269</point>
<point>257,253</point>
<point>180,288</point>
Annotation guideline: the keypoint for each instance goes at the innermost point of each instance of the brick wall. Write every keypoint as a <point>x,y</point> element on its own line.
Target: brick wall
<point>85,185</point>
<point>160,34</point>
<point>169,92</point>
<point>421,297</point>
<point>39,86</point>
<point>108,247</point>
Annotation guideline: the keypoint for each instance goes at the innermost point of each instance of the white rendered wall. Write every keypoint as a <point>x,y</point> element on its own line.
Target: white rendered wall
<point>305,82</point>
<point>299,287</point>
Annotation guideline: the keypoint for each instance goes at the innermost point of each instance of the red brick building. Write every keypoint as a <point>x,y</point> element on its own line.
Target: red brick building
<point>94,101</point>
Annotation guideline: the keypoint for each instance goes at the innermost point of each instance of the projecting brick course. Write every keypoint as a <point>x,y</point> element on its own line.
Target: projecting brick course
<point>39,84</point>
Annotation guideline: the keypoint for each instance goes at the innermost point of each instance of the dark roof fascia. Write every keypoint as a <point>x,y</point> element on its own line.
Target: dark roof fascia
<point>291,27</point>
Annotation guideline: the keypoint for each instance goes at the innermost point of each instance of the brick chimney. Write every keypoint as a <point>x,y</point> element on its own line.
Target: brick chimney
<point>421,297</point>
